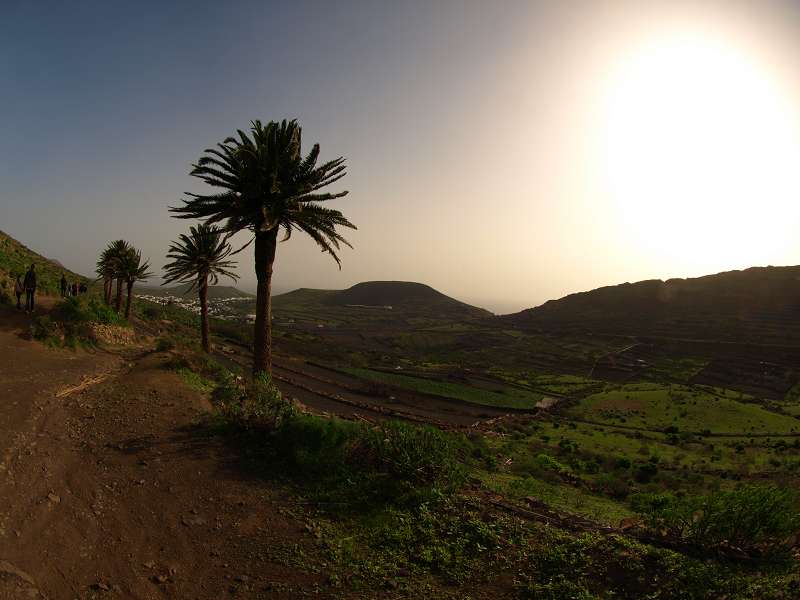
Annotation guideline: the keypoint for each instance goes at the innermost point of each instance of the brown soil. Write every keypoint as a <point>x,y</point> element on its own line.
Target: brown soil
<point>109,489</point>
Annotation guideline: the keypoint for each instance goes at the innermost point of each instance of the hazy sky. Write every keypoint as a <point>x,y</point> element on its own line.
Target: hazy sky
<point>503,152</point>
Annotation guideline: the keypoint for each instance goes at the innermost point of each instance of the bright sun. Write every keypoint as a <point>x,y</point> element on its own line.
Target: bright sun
<point>701,154</point>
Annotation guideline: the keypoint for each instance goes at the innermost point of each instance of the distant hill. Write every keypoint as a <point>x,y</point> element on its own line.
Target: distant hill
<point>404,295</point>
<point>390,302</point>
<point>760,304</point>
<point>215,292</point>
<point>15,258</point>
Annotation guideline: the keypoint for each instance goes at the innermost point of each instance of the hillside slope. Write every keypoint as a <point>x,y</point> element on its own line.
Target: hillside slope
<point>405,295</point>
<point>758,304</point>
<point>15,258</point>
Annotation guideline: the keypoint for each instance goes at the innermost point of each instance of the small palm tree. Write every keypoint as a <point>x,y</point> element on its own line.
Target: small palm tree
<point>199,258</point>
<point>267,185</point>
<point>107,268</point>
<point>131,270</point>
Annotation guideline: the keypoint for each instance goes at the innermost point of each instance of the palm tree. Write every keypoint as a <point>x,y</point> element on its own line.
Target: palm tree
<point>108,267</point>
<point>131,270</point>
<point>267,185</point>
<point>198,258</point>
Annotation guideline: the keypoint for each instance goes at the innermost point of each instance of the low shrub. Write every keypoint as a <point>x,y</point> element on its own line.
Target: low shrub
<point>164,344</point>
<point>393,461</point>
<point>751,517</point>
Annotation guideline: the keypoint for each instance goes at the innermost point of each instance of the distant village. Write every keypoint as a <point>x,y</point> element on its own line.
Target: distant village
<point>226,309</point>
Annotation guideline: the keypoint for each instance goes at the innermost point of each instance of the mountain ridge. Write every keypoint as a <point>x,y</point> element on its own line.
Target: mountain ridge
<point>760,302</point>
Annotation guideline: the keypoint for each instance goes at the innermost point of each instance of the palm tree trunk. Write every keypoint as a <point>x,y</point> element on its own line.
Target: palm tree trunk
<point>266,242</point>
<point>203,288</point>
<point>128,303</point>
<point>118,304</point>
<point>107,283</point>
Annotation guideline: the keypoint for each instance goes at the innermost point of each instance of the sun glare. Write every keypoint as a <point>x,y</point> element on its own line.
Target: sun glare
<point>700,151</point>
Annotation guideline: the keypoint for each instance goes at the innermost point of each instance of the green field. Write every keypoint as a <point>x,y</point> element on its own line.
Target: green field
<point>511,398</point>
<point>657,407</point>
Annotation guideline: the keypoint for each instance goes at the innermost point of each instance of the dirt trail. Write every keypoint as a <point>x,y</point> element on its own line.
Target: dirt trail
<point>111,490</point>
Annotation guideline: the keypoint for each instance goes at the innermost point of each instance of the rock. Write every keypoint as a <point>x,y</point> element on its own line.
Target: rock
<point>191,520</point>
<point>533,501</point>
<point>54,498</point>
<point>100,586</point>
<point>16,583</point>
<point>629,523</point>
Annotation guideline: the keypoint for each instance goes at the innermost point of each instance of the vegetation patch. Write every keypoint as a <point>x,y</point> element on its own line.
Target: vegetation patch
<point>511,398</point>
<point>684,408</point>
<point>73,322</point>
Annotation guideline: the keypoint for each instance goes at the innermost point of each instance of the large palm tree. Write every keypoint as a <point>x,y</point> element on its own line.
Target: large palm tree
<point>131,270</point>
<point>267,185</point>
<point>199,258</point>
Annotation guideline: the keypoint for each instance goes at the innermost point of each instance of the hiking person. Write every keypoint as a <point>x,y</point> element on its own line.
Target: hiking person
<point>19,289</point>
<point>63,285</point>
<point>74,288</point>
<point>30,289</point>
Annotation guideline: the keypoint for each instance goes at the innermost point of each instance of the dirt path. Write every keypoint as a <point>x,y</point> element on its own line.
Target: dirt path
<point>113,491</point>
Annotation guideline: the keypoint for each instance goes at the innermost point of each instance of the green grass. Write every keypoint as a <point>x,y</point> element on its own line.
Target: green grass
<point>561,497</point>
<point>195,381</point>
<point>553,383</point>
<point>512,398</point>
<point>656,407</point>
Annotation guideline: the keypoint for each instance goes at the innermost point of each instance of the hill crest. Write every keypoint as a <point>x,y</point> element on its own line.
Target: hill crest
<point>760,301</point>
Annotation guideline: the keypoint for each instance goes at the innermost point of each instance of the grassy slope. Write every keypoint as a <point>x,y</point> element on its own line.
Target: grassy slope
<point>654,406</point>
<point>15,258</point>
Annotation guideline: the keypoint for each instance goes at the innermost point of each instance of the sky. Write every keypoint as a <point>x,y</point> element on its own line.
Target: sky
<point>505,153</point>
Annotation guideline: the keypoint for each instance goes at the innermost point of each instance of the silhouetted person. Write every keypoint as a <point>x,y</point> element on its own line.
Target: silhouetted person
<point>19,289</point>
<point>74,288</point>
<point>30,289</point>
<point>63,285</point>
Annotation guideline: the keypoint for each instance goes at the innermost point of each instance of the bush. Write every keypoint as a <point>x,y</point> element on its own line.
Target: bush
<point>258,404</point>
<point>418,455</point>
<point>164,344</point>
<point>79,310</point>
<point>750,517</point>
<point>152,312</point>
<point>45,329</point>
<point>394,461</point>
<point>622,463</point>
<point>615,487</point>
<point>646,472</point>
